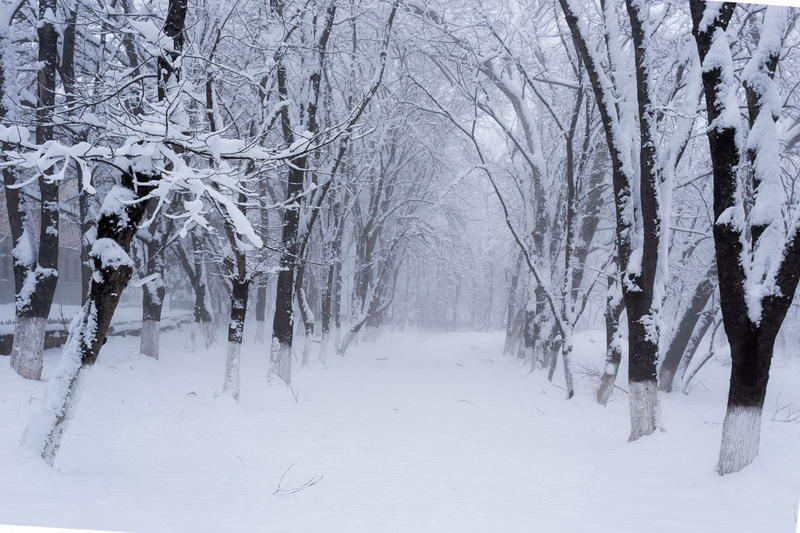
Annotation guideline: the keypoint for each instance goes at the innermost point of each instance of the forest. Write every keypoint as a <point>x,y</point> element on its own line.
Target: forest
<point>400,265</point>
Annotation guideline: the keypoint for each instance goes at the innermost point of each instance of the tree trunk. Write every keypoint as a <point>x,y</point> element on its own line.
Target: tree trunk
<point>33,303</point>
<point>684,332</point>
<point>67,73</point>
<point>86,245</point>
<point>512,325</point>
<point>152,303</point>
<point>541,326</point>
<point>261,311</point>
<point>643,387</point>
<point>111,271</point>
<point>203,325</point>
<point>614,340</point>
<point>566,356</point>
<point>305,313</point>
<point>374,305</point>
<point>283,320</point>
<point>550,349</point>
<point>529,338</point>
<point>327,310</point>
<point>591,215</point>
<point>154,291</point>
<point>203,319</point>
<point>239,294</point>
<point>751,356</point>
<point>706,319</point>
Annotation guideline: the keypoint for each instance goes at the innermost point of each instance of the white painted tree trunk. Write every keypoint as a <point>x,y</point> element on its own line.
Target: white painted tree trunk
<point>527,354</point>
<point>566,354</point>
<point>607,382</point>
<point>337,337</point>
<point>308,341</point>
<point>281,360</point>
<point>741,432</point>
<point>232,364</point>
<point>261,328</point>
<point>351,337</point>
<point>28,347</point>
<point>203,331</point>
<point>643,397</point>
<point>209,331</point>
<point>46,429</point>
<point>325,346</point>
<point>70,401</point>
<point>148,338</point>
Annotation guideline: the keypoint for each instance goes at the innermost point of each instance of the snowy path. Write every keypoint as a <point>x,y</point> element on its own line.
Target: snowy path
<point>414,433</point>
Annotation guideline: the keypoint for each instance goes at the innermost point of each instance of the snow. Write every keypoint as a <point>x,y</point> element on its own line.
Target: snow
<point>719,57</point>
<point>763,141</point>
<point>60,386</point>
<point>769,43</point>
<point>710,15</point>
<point>416,432</point>
<point>116,203</point>
<point>110,253</point>
<point>148,30</point>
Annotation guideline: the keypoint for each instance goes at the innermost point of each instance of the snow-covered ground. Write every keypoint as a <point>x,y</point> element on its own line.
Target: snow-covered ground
<point>413,433</point>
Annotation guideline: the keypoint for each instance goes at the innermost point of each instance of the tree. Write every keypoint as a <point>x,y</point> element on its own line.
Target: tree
<point>154,164</point>
<point>38,274</point>
<point>638,219</point>
<point>294,238</point>
<point>757,255</point>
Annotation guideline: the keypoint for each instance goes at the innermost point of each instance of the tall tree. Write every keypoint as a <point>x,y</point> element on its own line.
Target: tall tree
<point>35,294</point>
<point>637,241</point>
<point>758,255</point>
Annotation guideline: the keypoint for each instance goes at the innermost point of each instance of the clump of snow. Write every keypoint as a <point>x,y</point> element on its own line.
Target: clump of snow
<point>116,202</point>
<point>710,15</point>
<point>110,253</point>
<point>719,57</point>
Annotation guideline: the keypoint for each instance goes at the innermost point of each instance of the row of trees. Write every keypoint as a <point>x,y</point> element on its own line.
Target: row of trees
<point>247,148</point>
<point>633,166</point>
<point>613,178</point>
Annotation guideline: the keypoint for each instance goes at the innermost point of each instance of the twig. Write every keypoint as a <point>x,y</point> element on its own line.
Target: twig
<point>316,478</point>
<point>790,415</point>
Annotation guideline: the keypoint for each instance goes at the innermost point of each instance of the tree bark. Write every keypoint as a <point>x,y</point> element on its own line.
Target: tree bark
<point>283,320</point>
<point>706,319</point>
<point>261,310</point>
<point>306,314</point>
<point>683,334</point>
<point>239,293</point>
<point>39,286</point>
<point>614,340</point>
<point>642,310</point>
<point>512,326</point>
<point>203,325</point>
<point>153,292</point>
<point>67,73</point>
